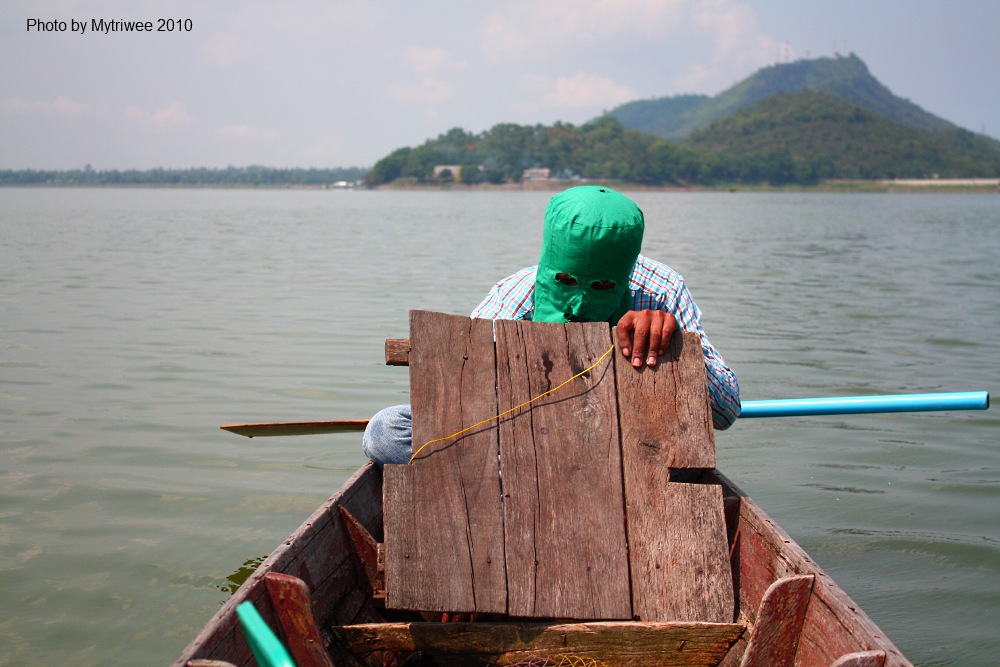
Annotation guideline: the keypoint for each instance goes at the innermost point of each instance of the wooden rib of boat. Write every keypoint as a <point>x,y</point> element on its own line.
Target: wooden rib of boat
<point>788,610</point>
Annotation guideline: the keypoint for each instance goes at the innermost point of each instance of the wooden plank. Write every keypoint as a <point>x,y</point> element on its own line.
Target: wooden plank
<point>677,533</point>
<point>679,554</point>
<point>397,351</point>
<point>290,599</point>
<point>563,505</point>
<point>775,637</point>
<point>370,556</point>
<point>666,418</point>
<point>861,659</point>
<point>443,522</point>
<point>614,644</point>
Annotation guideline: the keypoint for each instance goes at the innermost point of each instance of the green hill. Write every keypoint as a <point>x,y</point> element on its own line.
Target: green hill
<point>847,77</point>
<point>819,135</point>
<point>800,122</point>
<point>668,117</point>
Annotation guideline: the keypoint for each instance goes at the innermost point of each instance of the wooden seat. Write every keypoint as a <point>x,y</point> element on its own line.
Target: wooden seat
<point>564,508</point>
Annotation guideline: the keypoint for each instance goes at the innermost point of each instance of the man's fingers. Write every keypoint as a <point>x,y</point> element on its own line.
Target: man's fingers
<point>640,339</point>
<point>624,330</point>
<point>645,333</point>
<point>669,329</point>
<point>655,346</point>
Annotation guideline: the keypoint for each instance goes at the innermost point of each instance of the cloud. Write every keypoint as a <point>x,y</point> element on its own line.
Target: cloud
<point>59,106</point>
<point>244,131</point>
<point>173,115</point>
<point>694,44</point>
<point>586,90</point>
<point>427,61</point>
<point>732,32</point>
<point>504,37</point>
<point>427,87</point>
<point>428,90</point>
<point>529,28</point>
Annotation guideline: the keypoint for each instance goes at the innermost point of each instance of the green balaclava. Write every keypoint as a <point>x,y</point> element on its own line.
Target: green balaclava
<point>590,242</point>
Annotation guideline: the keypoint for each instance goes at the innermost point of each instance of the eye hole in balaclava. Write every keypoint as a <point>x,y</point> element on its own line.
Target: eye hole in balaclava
<point>567,280</point>
<point>570,281</point>
<point>590,242</point>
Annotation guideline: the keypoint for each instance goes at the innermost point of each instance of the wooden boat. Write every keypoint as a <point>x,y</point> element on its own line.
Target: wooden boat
<point>320,553</point>
<point>325,592</point>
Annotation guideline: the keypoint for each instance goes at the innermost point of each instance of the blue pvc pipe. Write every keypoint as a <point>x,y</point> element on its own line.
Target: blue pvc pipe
<point>853,405</point>
<point>264,644</point>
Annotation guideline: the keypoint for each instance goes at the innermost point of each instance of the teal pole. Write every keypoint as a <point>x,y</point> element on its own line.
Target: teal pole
<point>265,645</point>
<point>852,405</point>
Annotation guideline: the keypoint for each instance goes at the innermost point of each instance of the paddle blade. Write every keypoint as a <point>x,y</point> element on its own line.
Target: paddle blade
<point>297,428</point>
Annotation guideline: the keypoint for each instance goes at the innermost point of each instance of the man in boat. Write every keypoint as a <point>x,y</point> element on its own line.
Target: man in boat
<point>590,270</point>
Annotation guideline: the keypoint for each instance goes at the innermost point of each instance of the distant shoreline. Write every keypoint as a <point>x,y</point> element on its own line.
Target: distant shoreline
<point>976,185</point>
<point>984,185</point>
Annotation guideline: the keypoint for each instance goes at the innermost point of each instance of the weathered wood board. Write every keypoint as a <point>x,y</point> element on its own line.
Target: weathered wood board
<point>292,605</point>
<point>614,643</point>
<point>564,519</point>
<point>775,637</point>
<point>443,523</point>
<point>666,419</point>
<point>589,526</point>
<point>679,555</point>
<point>676,532</point>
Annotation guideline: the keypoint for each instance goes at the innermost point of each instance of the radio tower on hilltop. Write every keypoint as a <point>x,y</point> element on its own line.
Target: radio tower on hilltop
<point>784,53</point>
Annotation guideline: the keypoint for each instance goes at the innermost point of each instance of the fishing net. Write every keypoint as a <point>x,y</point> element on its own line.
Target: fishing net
<point>558,661</point>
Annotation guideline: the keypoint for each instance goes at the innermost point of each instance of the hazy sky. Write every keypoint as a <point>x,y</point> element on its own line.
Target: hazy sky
<point>327,83</point>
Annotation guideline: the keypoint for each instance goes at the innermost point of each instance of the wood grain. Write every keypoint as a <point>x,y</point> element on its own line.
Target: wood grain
<point>614,644</point>
<point>666,418</point>
<point>861,659</point>
<point>563,503</point>
<point>443,524</point>
<point>293,607</point>
<point>679,554</point>
<point>677,532</point>
<point>397,352</point>
<point>775,637</point>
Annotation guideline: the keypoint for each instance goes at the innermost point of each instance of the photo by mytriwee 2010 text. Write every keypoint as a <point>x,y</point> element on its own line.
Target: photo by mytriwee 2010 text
<point>106,26</point>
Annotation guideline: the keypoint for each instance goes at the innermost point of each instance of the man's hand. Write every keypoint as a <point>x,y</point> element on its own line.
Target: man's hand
<point>645,333</point>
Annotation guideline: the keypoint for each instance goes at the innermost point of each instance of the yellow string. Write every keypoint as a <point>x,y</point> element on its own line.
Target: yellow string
<point>516,407</point>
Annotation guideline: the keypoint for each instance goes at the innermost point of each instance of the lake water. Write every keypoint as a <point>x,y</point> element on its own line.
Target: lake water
<point>134,322</point>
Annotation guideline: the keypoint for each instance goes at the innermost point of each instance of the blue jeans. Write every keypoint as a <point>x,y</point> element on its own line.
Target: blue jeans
<point>389,436</point>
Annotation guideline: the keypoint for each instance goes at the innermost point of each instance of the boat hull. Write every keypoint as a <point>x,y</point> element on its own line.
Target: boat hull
<point>321,554</point>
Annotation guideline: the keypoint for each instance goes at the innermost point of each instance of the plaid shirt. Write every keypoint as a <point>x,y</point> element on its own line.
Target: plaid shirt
<point>654,286</point>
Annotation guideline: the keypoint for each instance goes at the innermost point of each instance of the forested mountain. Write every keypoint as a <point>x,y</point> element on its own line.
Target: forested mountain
<point>846,77</point>
<point>819,135</point>
<point>802,138</point>
<point>800,122</point>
